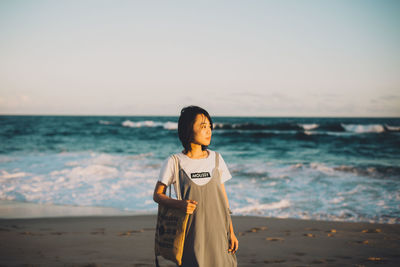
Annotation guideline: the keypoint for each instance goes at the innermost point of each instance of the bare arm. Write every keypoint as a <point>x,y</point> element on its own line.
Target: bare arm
<point>160,197</point>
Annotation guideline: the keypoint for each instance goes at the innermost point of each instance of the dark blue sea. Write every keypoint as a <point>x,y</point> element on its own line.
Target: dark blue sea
<point>338,169</point>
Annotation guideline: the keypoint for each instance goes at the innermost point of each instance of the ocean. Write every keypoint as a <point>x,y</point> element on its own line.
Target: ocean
<point>337,169</point>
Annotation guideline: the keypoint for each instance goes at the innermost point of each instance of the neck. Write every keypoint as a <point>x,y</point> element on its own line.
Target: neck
<point>196,152</point>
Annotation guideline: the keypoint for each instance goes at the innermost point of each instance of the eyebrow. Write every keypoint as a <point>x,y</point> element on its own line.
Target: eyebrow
<point>203,123</point>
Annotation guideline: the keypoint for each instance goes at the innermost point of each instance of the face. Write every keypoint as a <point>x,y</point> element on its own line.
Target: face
<point>202,130</point>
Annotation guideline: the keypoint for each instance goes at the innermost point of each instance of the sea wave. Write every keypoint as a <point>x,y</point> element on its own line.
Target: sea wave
<point>169,125</point>
<point>309,128</point>
<point>285,127</point>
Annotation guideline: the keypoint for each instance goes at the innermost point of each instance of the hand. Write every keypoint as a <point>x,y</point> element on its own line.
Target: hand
<point>189,206</point>
<point>234,244</point>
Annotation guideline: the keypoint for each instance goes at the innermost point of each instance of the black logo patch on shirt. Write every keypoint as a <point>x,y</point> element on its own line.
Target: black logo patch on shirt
<point>196,175</point>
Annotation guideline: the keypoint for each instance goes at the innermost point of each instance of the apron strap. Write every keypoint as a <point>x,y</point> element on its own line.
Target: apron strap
<point>216,159</point>
<point>177,182</point>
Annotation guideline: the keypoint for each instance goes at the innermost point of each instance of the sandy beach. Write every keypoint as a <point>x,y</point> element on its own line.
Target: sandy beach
<point>129,241</point>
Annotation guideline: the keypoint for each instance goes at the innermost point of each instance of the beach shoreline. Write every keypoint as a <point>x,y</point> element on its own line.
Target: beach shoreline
<point>129,241</point>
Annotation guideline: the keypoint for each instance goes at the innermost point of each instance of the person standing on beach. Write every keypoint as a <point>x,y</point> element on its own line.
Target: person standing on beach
<point>209,239</point>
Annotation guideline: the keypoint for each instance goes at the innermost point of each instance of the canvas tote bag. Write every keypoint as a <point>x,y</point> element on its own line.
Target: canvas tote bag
<point>171,227</point>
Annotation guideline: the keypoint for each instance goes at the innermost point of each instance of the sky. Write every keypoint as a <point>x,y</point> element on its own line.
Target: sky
<point>233,58</point>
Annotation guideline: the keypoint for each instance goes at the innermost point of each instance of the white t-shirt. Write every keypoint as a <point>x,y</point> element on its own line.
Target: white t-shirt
<point>198,170</point>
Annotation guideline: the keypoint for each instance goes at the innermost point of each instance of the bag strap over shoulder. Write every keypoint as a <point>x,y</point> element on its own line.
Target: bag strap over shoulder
<point>177,188</point>
<point>216,160</point>
<point>178,195</point>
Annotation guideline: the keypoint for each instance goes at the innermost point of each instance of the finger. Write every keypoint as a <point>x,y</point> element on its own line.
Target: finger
<point>233,246</point>
<point>236,245</point>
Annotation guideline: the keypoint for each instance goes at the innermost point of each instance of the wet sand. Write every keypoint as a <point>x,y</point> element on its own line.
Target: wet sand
<point>129,241</point>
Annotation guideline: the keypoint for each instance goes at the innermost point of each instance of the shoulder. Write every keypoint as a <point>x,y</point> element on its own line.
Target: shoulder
<point>171,156</point>
<point>220,159</point>
<point>170,159</point>
<point>215,153</point>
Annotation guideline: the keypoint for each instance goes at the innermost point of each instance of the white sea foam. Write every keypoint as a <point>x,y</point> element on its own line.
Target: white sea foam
<point>393,128</point>
<point>308,126</point>
<point>6,175</point>
<point>169,125</point>
<point>257,208</point>
<point>337,200</point>
<point>105,122</point>
<point>359,128</point>
<point>139,124</point>
<point>298,190</point>
<point>322,168</point>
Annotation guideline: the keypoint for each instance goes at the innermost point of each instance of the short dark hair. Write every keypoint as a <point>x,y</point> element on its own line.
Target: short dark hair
<point>185,125</point>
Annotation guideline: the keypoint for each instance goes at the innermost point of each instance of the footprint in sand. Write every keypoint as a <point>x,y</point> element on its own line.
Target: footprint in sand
<point>30,233</point>
<point>91,265</point>
<point>58,233</point>
<point>256,229</point>
<point>98,231</point>
<point>274,261</point>
<point>274,239</point>
<point>309,235</point>
<point>130,232</point>
<point>287,232</point>
<point>311,229</point>
<point>331,232</point>
<point>27,233</point>
<point>148,229</point>
<point>16,226</point>
<point>318,261</point>
<point>365,242</point>
<point>371,230</point>
<point>376,259</point>
<point>343,257</point>
<point>300,253</point>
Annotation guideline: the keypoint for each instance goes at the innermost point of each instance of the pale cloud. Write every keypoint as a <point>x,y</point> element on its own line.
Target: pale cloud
<point>16,101</point>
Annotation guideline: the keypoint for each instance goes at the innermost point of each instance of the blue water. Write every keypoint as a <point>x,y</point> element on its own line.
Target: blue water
<point>343,169</point>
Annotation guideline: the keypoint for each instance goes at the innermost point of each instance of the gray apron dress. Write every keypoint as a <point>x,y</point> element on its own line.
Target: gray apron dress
<point>207,236</point>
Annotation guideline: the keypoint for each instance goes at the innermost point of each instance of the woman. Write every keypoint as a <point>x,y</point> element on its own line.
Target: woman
<point>210,239</point>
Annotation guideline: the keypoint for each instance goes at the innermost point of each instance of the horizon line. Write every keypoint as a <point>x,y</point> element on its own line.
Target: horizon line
<point>229,116</point>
